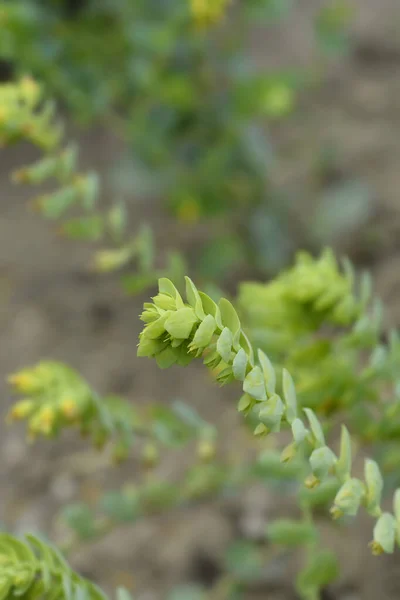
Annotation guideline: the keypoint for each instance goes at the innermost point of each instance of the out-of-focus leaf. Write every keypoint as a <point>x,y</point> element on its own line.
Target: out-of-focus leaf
<point>243,560</point>
<point>80,518</point>
<point>84,228</point>
<point>187,592</point>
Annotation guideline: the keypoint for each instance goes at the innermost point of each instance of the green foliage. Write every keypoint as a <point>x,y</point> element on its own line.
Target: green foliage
<point>318,322</point>
<point>176,82</point>
<point>179,330</point>
<point>25,116</point>
<point>172,329</point>
<point>32,569</point>
<point>56,397</point>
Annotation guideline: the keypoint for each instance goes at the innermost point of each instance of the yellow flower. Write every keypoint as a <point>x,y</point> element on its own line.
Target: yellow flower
<point>189,210</point>
<point>69,408</point>
<point>43,422</point>
<point>206,450</point>
<point>24,381</point>
<point>208,12</point>
<point>21,410</point>
<point>30,91</point>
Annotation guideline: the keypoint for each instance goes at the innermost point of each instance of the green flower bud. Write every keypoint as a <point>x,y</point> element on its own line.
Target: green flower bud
<point>260,430</point>
<point>204,334</point>
<point>245,403</point>
<point>254,384</point>
<point>384,534</point>
<point>165,302</point>
<point>212,359</point>
<point>299,431</point>
<point>225,376</point>
<point>149,347</point>
<point>155,329</point>
<point>321,461</point>
<point>271,413</point>
<point>288,453</point>
<point>348,499</point>
<point>150,313</point>
<point>179,324</point>
<point>150,455</point>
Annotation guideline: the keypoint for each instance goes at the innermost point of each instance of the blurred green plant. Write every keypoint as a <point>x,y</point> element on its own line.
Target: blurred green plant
<point>26,115</point>
<point>312,293</point>
<point>32,569</point>
<point>317,321</point>
<point>312,298</point>
<point>55,397</point>
<point>177,82</point>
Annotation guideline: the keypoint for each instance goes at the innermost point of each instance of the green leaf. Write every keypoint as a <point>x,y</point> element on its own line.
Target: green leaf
<point>396,505</point>
<point>321,569</point>
<point>269,372</point>
<point>254,384</point>
<point>291,533</point>
<point>270,467</point>
<point>243,560</point>
<point>117,220</point>
<point>374,483</point>
<point>299,431</point>
<point>189,415</point>
<point>343,465</point>
<point>90,190</point>
<point>229,316</point>
<point>123,594</point>
<point>244,403</point>
<point>224,344</point>
<point>187,592</point>
<point>167,357</point>
<point>315,427</point>
<point>84,228</point>
<point>80,518</point>
<point>193,298</point>
<point>321,495</point>
<point>144,244</point>
<point>55,204</point>
<point>240,365</point>
<point>179,324</point>
<point>289,394</point>
<point>204,334</point>
<point>149,347</point>
<point>157,328</point>
<point>121,506</point>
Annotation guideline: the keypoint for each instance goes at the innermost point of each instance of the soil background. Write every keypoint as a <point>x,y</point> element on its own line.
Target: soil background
<point>52,307</point>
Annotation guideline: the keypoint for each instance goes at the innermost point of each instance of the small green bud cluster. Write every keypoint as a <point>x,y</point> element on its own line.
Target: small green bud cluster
<point>176,332</point>
<point>23,117</point>
<point>55,397</point>
<point>36,570</point>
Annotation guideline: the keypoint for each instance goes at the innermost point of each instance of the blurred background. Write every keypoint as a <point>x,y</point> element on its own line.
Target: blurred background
<point>236,133</point>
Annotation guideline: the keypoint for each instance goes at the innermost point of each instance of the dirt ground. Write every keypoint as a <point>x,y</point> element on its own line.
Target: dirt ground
<point>51,307</point>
